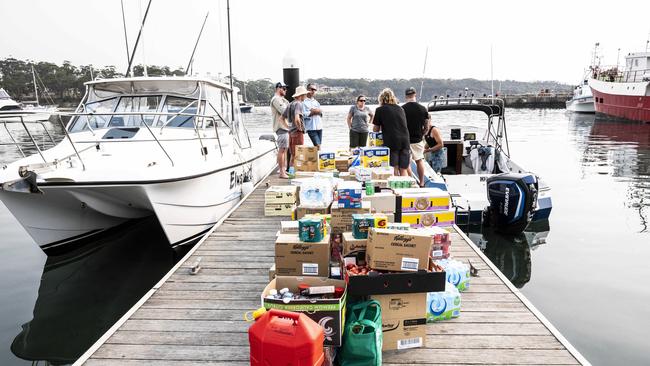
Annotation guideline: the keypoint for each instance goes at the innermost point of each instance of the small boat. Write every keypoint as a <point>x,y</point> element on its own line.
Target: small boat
<point>245,107</point>
<point>479,161</point>
<point>582,101</point>
<point>173,147</point>
<point>9,106</point>
<point>623,94</point>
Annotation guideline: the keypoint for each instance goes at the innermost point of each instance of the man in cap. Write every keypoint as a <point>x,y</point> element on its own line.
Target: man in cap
<point>278,105</point>
<point>295,120</point>
<point>313,114</point>
<point>417,121</point>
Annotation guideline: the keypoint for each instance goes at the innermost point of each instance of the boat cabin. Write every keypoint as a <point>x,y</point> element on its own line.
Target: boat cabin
<point>179,102</point>
<point>637,67</point>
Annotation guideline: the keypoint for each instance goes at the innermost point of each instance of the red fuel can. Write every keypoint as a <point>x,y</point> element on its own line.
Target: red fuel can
<point>284,338</point>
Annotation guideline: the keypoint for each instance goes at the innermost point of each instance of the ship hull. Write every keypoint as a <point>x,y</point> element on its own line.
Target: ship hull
<point>629,101</point>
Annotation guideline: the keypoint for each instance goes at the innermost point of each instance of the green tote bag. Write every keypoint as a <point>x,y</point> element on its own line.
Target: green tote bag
<point>362,339</point>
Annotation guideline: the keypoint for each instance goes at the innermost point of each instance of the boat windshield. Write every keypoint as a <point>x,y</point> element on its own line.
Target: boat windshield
<point>4,94</point>
<point>148,105</point>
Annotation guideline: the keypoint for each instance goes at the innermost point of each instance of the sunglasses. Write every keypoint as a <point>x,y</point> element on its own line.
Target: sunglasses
<point>362,100</point>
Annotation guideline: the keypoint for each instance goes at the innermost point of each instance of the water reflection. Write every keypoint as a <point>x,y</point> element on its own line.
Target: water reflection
<point>619,149</point>
<point>83,293</point>
<point>510,253</point>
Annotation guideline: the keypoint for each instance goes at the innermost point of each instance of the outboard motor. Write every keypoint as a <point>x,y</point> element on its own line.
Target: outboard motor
<point>513,197</point>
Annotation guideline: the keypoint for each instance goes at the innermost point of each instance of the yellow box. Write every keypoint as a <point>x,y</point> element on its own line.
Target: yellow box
<point>376,139</point>
<point>326,161</point>
<point>429,219</point>
<point>375,157</point>
<point>281,194</point>
<point>278,209</point>
<point>424,199</point>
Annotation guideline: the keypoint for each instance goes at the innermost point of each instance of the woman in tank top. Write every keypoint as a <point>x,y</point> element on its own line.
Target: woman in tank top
<point>435,149</point>
<point>359,117</point>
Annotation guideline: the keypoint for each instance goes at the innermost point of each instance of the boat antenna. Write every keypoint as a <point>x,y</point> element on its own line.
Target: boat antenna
<point>491,74</point>
<point>137,40</point>
<point>35,87</point>
<point>232,95</point>
<point>144,61</point>
<point>190,64</point>
<point>126,38</point>
<point>426,53</point>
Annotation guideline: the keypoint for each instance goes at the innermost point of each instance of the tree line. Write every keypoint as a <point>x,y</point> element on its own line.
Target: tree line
<point>64,83</point>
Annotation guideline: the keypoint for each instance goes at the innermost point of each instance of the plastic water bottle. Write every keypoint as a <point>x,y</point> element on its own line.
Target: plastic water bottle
<point>457,273</point>
<point>292,172</point>
<point>443,305</point>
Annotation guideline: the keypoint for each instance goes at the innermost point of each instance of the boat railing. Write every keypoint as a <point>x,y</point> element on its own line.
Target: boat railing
<point>613,74</point>
<point>20,119</point>
<point>466,100</point>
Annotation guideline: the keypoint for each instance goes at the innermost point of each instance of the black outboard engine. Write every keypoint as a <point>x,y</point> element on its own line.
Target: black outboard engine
<point>513,197</point>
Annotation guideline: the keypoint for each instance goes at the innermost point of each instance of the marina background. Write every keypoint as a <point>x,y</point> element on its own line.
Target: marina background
<point>584,270</point>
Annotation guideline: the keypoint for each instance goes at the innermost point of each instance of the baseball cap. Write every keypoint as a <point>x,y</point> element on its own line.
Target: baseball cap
<point>280,84</point>
<point>409,91</point>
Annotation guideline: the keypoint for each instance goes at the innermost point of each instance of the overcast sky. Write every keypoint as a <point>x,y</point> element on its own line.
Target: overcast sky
<point>531,40</point>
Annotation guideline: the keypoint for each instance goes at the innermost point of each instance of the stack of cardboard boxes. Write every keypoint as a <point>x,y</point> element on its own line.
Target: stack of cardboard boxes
<point>280,200</point>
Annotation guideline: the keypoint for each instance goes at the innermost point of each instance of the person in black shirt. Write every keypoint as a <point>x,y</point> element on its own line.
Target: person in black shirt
<point>391,120</point>
<point>417,120</point>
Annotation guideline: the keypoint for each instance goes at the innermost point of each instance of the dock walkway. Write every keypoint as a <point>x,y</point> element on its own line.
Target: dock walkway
<point>198,319</point>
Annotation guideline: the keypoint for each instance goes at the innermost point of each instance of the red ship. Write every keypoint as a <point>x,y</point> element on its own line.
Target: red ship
<point>623,94</point>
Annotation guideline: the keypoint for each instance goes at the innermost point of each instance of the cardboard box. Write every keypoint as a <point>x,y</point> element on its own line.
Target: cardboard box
<point>306,166</point>
<point>328,313</point>
<point>326,161</point>
<point>381,173</point>
<point>296,258</point>
<point>375,157</point>
<point>424,199</point>
<point>403,318</point>
<point>429,219</point>
<point>281,194</point>
<point>342,164</point>
<point>307,154</point>
<point>384,202</point>
<point>272,272</point>
<point>301,211</point>
<point>289,227</point>
<point>342,217</point>
<point>398,250</point>
<point>351,244</point>
<point>376,138</point>
<point>279,209</point>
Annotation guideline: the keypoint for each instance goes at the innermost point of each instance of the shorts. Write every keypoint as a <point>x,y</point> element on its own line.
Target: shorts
<point>296,138</point>
<point>437,159</point>
<point>417,150</point>
<point>283,140</point>
<point>358,139</point>
<point>316,136</point>
<point>400,158</point>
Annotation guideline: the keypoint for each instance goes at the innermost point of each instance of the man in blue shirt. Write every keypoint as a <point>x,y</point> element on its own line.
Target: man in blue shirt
<point>312,114</point>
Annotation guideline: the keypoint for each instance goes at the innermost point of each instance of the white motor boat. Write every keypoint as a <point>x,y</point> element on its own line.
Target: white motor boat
<point>473,163</point>
<point>9,106</point>
<point>173,147</point>
<point>582,100</point>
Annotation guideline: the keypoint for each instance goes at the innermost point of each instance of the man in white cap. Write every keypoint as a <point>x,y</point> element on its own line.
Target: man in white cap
<point>417,121</point>
<point>295,118</point>
<point>278,105</point>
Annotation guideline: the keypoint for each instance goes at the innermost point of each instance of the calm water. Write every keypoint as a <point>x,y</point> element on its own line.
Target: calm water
<point>584,269</point>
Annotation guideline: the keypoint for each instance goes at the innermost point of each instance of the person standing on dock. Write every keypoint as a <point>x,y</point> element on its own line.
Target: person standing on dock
<point>417,120</point>
<point>278,105</point>
<point>391,120</point>
<point>295,119</point>
<point>313,114</point>
<point>358,118</point>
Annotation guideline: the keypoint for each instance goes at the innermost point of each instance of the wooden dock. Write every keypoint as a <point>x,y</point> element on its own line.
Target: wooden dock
<point>198,319</point>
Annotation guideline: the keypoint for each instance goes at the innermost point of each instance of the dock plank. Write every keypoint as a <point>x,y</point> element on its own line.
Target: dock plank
<point>198,319</point>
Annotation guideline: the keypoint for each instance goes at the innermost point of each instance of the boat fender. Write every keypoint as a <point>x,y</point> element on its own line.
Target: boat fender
<point>247,187</point>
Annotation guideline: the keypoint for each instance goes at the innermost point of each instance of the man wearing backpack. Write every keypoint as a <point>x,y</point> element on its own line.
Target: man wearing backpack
<point>295,118</point>
<point>280,127</point>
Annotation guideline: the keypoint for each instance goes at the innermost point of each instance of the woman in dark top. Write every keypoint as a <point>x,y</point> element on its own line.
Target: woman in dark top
<point>391,120</point>
<point>434,150</point>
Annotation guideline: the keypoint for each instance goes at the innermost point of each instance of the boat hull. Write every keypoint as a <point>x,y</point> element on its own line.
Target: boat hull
<point>629,101</point>
<point>185,207</point>
<point>581,105</point>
